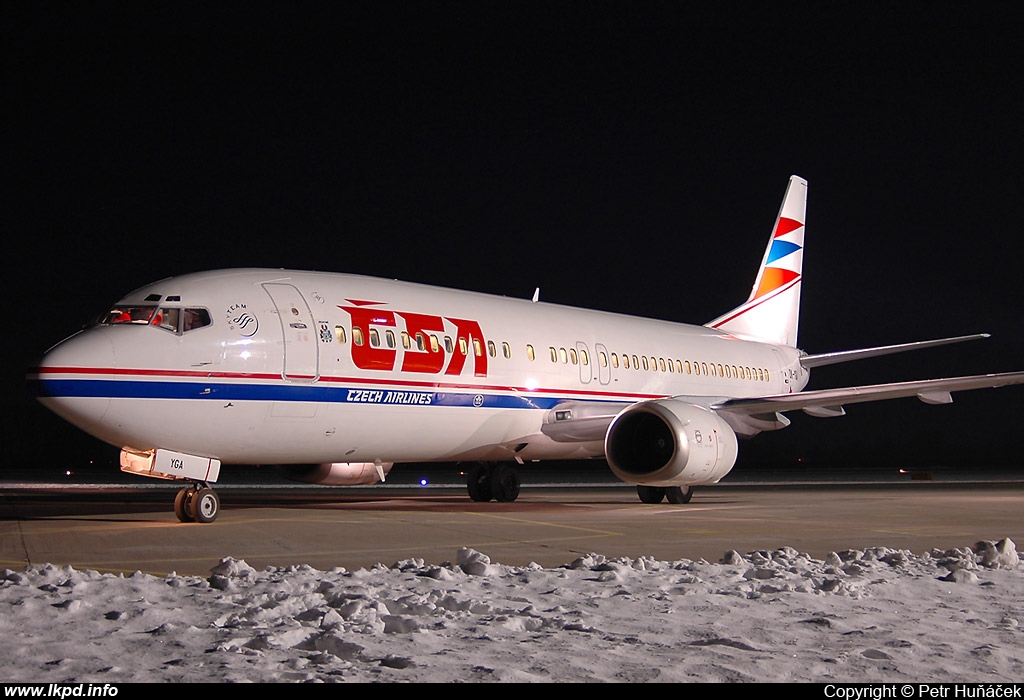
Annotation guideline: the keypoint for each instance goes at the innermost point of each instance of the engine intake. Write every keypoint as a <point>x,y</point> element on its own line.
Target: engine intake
<point>670,443</point>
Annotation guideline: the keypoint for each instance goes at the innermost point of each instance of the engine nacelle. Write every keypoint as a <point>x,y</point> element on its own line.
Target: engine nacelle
<point>670,443</point>
<point>338,473</point>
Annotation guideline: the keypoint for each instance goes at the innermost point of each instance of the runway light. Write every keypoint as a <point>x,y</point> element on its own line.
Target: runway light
<point>423,482</point>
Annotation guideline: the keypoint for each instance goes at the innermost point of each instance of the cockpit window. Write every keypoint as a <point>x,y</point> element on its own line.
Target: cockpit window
<point>168,318</point>
<point>195,318</point>
<point>140,315</point>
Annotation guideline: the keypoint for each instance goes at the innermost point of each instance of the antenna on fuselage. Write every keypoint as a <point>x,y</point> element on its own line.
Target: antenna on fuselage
<point>536,294</point>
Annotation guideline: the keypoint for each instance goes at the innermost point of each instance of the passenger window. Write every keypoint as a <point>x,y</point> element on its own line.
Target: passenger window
<point>448,346</point>
<point>374,338</point>
<point>339,334</point>
<point>435,345</point>
<point>573,357</point>
<point>390,337</point>
<point>530,352</point>
<point>478,347</point>
<point>491,348</point>
<point>357,335</point>
<point>506,350</point>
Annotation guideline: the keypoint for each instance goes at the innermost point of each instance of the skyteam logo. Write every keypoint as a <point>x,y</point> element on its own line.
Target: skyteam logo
<point>241,320</point>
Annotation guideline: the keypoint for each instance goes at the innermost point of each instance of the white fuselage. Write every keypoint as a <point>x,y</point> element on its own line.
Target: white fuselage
<point>307,367</point>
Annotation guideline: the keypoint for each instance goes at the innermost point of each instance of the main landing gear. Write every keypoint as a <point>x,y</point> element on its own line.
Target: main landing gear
<point>657,494</point>
<point>197,503</point>
<point>489,481</point>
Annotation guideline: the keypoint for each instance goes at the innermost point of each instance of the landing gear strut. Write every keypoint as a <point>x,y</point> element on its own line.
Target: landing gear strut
<point>487,481</point>
<point>656,494</point>
<point>197,503</point>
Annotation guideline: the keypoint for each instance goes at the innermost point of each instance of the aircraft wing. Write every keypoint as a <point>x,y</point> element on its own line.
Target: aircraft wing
<point>829,402</point>
<point>582,421</point>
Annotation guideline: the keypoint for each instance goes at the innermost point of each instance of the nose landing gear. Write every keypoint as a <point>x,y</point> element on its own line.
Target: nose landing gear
<point>197,503</point>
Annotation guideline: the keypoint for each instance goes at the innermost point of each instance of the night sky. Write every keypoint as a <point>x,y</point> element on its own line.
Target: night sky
<point>621,156</point>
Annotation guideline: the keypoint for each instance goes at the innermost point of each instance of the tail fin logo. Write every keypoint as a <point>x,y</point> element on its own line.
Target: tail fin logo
<point>772,312</point>
<point>774,276</point>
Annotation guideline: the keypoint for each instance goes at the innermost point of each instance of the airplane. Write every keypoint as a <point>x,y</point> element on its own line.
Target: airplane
<point>338,377</point>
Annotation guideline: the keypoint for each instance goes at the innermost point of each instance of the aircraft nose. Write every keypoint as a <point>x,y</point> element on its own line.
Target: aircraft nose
<point>81,354</point>
<point>64,380</point>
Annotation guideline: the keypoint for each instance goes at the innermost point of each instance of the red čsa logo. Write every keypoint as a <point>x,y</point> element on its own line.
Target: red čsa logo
<point>419,353</point>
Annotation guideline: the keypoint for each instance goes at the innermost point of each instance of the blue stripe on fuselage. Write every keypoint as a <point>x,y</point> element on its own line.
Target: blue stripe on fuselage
<point>129,389</point>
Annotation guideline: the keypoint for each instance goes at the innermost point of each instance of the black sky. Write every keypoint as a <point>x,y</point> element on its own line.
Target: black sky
<point>623,156</point>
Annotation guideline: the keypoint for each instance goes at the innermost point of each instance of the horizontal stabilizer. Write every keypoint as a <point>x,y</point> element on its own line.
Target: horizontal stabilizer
<point>832,358</point>
<point>829,402</point>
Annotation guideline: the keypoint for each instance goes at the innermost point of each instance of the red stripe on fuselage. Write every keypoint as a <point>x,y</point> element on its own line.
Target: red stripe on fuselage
<point>159,373</point>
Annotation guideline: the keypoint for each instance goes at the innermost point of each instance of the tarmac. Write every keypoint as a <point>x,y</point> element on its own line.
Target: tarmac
<point>130,526</point>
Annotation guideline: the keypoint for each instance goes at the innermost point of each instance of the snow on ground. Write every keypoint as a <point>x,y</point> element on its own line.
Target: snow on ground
<point>873,615</point>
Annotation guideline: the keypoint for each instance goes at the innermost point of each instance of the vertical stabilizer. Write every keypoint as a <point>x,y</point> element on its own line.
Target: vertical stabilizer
<point>772,312</point>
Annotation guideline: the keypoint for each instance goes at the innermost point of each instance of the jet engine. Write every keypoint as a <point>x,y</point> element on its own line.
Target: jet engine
<point>338,473</point>
<point>670,443</point>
